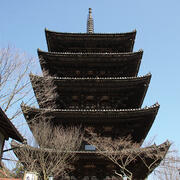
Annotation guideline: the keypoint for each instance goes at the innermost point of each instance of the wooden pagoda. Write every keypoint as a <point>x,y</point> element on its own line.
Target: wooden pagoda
<point>97,86</point>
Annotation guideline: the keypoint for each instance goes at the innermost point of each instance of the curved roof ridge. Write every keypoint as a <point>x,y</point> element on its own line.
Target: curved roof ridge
<point>164,145</point>
<point>90,53</point>
<point>91,34</point>
<point>154,106</point>
<point>95,78</point>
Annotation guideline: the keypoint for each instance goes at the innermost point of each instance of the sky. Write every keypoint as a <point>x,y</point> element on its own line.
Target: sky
<point>22,25</point>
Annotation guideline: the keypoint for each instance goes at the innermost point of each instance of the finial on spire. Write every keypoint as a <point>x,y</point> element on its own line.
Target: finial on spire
<point>90,23</point>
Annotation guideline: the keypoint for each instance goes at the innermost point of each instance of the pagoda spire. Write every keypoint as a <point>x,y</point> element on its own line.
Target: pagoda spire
<point>90,23</point>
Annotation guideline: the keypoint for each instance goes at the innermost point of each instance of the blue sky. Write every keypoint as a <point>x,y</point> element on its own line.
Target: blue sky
<point>158,34</point>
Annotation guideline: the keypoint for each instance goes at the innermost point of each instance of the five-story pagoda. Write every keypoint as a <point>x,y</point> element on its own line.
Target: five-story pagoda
<point>97,86</point>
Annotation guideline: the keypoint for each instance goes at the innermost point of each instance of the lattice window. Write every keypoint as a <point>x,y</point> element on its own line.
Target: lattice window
<point>90,102</point>
<point>90,73</point>
<point>105,102</point>
<point>107,128</point>
<point>75,102</point>
<point>77,72</point>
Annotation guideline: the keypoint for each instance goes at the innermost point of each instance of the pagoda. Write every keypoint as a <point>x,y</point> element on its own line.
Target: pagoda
<point>98,86</point>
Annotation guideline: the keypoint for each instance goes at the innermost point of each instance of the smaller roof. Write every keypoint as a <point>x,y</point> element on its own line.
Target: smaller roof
<point>9,128</point>
<point>90,42</point>
<point>102,64</point>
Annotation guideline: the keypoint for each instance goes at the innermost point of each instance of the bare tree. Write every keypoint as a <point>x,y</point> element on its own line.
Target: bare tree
<point>56,145</point>
<point>56,151</point>
<point>45,91</point>
<point>122,152</point>
<point>169,168</point>
<point>109,148</point>
<point>15,66</point>
<point>14,81</point>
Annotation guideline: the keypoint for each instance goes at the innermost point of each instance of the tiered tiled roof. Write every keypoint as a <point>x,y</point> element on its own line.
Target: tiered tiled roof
<point>117,92</point>
<point>86,163</point>
<point>95,79</point>
<point>93,42</point>
<point>64,64</point>
<point>124,122</point>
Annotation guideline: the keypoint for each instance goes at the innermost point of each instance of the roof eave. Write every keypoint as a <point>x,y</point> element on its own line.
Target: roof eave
<point>16,135</point>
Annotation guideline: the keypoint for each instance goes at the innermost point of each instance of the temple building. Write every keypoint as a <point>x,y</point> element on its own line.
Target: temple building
<point>98,86</point>
<point>7,130</point>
